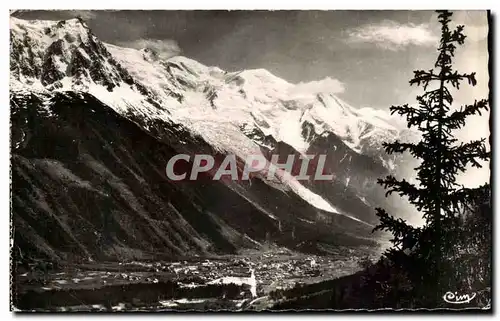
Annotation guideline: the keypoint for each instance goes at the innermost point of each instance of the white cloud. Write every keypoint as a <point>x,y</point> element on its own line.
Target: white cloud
<point>392,35</point>
<point>165,48</point>
<point>86,15</point>
<point>327,85</point>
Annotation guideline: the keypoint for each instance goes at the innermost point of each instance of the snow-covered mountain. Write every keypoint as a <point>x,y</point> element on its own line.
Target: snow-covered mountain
<point>244,113</point>
<point>61,56</point>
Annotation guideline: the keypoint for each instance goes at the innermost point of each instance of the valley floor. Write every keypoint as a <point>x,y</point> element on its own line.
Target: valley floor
<point>196,283</point>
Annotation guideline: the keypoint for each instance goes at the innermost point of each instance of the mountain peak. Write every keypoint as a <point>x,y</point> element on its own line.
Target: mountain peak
<point>65,55</point>
<point>49,30</point>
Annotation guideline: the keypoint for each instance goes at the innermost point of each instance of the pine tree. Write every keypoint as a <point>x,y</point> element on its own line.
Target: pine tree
<point>437,195</point>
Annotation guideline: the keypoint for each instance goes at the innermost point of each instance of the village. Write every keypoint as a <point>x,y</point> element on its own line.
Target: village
<point>239,281</point>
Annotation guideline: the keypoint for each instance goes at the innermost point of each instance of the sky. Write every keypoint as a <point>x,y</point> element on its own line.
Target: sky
<point>365,57</point>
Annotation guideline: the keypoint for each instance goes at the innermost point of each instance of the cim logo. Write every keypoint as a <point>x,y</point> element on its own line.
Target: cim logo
<point>455,298</point>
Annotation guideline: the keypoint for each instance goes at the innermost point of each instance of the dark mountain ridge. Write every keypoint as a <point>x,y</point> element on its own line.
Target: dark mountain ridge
<point>88,183</point>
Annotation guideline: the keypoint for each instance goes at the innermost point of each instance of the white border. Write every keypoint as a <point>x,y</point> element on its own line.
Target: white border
<point>190,4</point>
<point>261,5</point>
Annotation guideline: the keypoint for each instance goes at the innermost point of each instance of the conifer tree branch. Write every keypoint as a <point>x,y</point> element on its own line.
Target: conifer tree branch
<point>466,195</point>
<point>469,153</point>
<point>402,187</point>
<point>457,119</point>
<point>422,77</point>
<point>416,150</point>
<point>455,78</point>
<point>400,230</point>
<point>414,116</point>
